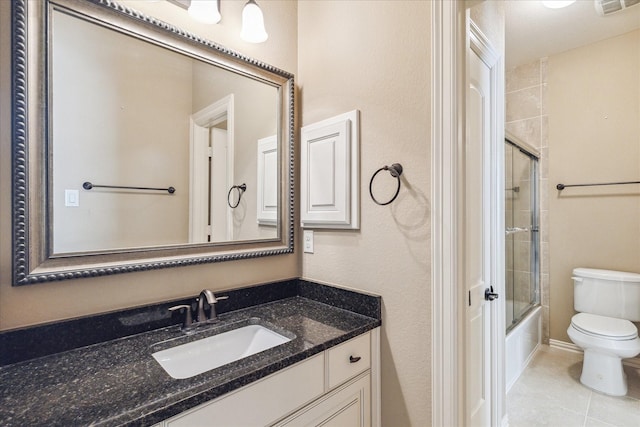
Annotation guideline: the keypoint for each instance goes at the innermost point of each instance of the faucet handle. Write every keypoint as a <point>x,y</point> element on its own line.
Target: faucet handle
<point>188,318</point>
<point>213,315</point>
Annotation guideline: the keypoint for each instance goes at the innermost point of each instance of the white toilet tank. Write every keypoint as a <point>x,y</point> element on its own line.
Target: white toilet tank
<point>607,293</point>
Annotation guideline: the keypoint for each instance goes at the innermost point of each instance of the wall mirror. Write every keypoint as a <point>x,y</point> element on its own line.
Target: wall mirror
<point>137,145</point>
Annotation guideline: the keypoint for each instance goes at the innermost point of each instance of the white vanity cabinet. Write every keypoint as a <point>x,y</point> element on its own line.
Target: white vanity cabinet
<point>348,406</point>
<point>338,387</point>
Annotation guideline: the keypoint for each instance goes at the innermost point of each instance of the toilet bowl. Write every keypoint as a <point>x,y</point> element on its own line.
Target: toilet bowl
<point>607,302</point>
<point>605,341</point>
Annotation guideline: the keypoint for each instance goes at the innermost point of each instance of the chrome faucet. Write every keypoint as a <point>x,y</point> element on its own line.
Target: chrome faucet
<point>211,300</point>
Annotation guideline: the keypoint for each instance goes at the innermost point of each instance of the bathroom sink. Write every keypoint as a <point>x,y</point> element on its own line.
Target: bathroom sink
<point>205,354</point>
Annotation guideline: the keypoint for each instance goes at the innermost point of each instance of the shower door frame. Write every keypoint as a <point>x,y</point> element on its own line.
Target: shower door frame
<point>534,261</point>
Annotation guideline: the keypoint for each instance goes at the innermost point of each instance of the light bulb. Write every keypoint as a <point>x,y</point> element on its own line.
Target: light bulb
<point>253,23</point>
<point>205,11</point>
<point>557,4</point>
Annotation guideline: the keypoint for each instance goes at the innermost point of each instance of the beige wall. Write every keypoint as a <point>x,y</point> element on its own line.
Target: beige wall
<point>374,56</point>
<point>594,136</point>
<point>29,305</point>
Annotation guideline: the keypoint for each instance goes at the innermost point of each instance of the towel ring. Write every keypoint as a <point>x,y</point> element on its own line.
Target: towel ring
<point>395,170</point>
<point>241,189</point>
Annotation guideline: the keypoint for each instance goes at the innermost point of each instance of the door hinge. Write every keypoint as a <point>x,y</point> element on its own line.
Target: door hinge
<point>469,298</point>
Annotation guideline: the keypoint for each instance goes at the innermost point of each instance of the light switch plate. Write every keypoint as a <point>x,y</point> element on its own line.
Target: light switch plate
<point>307,236</point>
<point>71,198</point>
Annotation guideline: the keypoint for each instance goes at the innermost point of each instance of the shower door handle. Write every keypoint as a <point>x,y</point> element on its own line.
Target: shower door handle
<point>489,295</point>
<point>512,230</point>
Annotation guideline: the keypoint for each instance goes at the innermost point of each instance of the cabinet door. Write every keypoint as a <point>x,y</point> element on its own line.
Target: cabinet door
<point>348,406</point>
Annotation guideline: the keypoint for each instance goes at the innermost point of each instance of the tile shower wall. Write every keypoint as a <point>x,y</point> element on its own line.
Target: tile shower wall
<point>526,118</point>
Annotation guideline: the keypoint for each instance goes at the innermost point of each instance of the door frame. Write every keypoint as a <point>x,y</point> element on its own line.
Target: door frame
<point>494,60</point>
<point>447,62</point>
<point>199,124</point>
<point>447,141</point>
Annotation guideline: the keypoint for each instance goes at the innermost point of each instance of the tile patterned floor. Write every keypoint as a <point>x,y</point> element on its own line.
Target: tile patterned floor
<point>549,393</point>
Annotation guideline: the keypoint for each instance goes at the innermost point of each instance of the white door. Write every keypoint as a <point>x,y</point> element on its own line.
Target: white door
<point>480,232</point>
<point>211,219</point>
<point>219,213</point>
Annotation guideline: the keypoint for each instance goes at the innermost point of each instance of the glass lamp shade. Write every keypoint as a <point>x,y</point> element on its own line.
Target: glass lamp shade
<point>205,11</point>
<point>253,24</point>
<point>557,4</point>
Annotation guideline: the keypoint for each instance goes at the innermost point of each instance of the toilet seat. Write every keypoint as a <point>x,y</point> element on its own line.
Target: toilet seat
<point>604,327</point>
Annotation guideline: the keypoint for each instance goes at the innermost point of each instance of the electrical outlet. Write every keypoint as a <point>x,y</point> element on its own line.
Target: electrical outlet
<point>307,236</point>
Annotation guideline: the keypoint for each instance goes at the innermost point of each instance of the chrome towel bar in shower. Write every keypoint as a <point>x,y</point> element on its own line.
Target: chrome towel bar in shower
<point>513,230</point>
<point>88,186</point>
<point>563,186</point>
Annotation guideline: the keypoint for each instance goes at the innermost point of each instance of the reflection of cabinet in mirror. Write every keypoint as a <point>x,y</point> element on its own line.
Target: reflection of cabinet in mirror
<point>267,190</point>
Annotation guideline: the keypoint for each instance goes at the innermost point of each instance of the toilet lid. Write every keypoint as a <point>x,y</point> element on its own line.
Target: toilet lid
<point>610,327</point>
<point>595,273</point>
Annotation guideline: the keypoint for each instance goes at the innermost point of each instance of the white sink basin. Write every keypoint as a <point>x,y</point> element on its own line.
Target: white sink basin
<point>199,356</point>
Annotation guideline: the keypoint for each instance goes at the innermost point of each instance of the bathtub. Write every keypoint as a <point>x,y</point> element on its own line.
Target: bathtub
<point>521,344</point>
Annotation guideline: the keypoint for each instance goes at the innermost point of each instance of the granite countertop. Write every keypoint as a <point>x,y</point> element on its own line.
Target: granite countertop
<point>118,382</point>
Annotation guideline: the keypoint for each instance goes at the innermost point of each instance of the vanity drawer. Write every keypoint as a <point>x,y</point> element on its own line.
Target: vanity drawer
<point>262,402</point>
<point>349,359</point>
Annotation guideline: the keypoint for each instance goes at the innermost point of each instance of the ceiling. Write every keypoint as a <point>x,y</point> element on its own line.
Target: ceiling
<point>534,31</point>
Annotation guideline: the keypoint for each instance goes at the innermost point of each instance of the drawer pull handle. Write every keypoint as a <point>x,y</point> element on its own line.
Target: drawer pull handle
<point>355,359</point>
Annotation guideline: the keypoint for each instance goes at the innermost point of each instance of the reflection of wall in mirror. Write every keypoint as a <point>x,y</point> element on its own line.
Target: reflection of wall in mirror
<point>255,117</point>
<point>120,118</point>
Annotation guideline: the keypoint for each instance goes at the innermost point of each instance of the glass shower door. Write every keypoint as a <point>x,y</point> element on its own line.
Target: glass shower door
<point>522,240</point>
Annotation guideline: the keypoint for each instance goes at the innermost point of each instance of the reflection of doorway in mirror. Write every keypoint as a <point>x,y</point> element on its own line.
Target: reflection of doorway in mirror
<point>211,172</point>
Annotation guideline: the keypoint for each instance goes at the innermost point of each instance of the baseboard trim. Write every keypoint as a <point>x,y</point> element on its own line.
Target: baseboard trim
<point>563,345</point>
<point>567,346</point>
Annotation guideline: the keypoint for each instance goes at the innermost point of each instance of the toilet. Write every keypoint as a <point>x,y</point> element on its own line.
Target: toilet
<point>607,302</point>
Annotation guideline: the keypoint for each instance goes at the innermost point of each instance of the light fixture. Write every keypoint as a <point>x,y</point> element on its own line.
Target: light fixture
<point>208,12</point>
<point>205,11</point>
<point>557,4</point>
<point>253,23</point>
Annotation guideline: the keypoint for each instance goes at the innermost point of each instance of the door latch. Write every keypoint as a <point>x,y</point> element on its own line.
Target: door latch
<point>489,295</point>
